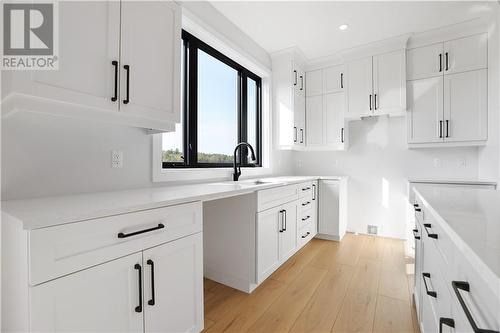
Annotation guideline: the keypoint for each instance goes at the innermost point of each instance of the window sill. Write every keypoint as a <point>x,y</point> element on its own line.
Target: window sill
<point>200,174</point>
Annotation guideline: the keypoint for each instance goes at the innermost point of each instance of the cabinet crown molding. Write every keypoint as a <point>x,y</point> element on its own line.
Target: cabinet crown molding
<point>375,48</point>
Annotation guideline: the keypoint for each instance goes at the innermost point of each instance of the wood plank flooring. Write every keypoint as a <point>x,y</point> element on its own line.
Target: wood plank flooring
<point>362,284</point>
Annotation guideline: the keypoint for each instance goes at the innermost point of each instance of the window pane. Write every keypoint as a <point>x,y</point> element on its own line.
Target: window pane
<point>217,110</point>
<point>252,113</point>
<point>172,142</point>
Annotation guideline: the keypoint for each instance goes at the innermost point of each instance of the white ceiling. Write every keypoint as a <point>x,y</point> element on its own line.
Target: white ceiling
<point>313,26</point>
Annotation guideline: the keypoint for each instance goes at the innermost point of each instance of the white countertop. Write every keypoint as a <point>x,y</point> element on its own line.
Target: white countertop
<point>50,211</point>
<point>453,181</point>
<point>471,217</point>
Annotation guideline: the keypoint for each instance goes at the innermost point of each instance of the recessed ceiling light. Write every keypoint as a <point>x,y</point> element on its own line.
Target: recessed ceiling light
<point>343,27</point>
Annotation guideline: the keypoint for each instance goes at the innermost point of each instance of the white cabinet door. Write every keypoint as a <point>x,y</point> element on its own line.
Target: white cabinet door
<point>334,118</point>
<point>151,48</point>
<point>329,207</point>
<point>268,226</point>
<point>425,110</point>
<point>314,81</point>
<point>175,269</point>
<point>103,298</point>
<point>299,119</point>
<point>424,62</point>
<point>334,79</point>
<point>466,54</point>
<point>389,83</point>
<point>359,92</point>
<point>288,236</point>
<point>86,74</point>
<point>314,120</point>
<point>465,106</point>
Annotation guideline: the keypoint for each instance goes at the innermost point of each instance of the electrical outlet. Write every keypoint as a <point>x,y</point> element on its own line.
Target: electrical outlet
<point>462,163</point>
<point>116,159</point>
<point>437,163</point>
<point>372,229</point>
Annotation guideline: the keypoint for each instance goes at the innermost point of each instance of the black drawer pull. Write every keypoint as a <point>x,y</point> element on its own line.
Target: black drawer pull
<point>306,189</point>
<point>430,235</point>
<point>418,209</point>
<point>415,205</point>
<point>306,218</point>
<point>115,96</point>
<point>429,292</point>
<point>306,203</point>
<point>138,308</point>
<point>446,321</point>
<point>152,264</point>
<point>463,285</point>
<point>307,234</point>
<point>122,235</point>
<point>415,234</point>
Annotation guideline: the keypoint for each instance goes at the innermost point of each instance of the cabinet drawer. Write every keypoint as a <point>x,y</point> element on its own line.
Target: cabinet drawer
<point>305,234</point>
<point>276,196</point>
<point>305,189</point>
<point>432,231</point>
<point>306,202</point>
<point>60,250</point>
<point>305,217</point>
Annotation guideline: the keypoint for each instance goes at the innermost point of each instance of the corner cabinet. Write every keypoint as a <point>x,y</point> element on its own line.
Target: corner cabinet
<point>332,222</point>
<point>289,87</point>
<point>376,85</point>
<point>325,109</point>
<point>107,70</point>
<point>135,272</point>
<point>447,93</point>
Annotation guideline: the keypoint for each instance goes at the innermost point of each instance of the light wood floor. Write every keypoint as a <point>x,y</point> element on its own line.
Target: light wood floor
<point>361,284</point>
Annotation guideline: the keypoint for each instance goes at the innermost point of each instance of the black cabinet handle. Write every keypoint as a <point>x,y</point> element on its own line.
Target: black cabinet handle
<point>284,220</point>
<point>375,101</point>
<point>294,77</point>
<point>152,264</point>
<point>341,80</point>
<point>306,218</point>
<point>301,82</point>
<point>295,134</point>
<point>342,135</point>
<point>418,209</point>
<point>440,128</point>
<point>370,101</point>
<point>115,96</point>
<point>429,292</point>
<point>314,191</point>
<point>138,308</point>
<point>447,128</point>
<point>446,55</point>
<point>446,321</point>
<point>307,234</point>
<point>306,189</point>
<point>301,135</point>
<point>159,226</point>
<point>463,285</point>
<point>415,234</point>
<point>430,235</point>
<point>281,220</point>
<point>127,70</point>
<point>440,62</point>
<point>415,205</point>
<point>306,203</point>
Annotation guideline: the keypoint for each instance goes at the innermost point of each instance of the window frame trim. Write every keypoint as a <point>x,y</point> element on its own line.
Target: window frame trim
<point>191,45</point>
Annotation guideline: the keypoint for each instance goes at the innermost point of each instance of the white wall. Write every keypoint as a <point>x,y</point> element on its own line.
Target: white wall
<point>378,165</point>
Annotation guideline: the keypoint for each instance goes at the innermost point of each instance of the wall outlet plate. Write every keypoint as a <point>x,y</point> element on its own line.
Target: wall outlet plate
<point>372,229</point>
<point>117,159</point>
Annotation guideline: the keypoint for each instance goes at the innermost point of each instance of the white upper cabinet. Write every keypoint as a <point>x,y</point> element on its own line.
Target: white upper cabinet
<point>359,87</point>
<point>314,82</point>
<point>465,54</point>
<point>465,106</point>
<point>104,298</point>
<point>425,110</point>
<point>119,69</point>
<point>389,78</point>
<point>447,97</point>
<point>335,133</point>
<point>334,79</point>
<point>150,68</point>
<point>425,61</point>
<point>88,57</point>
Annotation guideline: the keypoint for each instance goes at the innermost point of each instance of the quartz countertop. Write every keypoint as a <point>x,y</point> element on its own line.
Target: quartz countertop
<point>471,217</point>
<point>452,181</point>
<point>49,211</point>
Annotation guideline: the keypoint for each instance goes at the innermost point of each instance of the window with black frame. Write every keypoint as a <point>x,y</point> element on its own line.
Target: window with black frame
<point>222,106</point>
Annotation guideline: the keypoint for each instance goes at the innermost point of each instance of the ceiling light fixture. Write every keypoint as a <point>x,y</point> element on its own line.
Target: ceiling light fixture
<point>343,27</point>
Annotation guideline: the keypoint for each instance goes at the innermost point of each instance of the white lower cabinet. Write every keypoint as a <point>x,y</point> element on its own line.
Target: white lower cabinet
<point>332,221</point>
<point>99,299</point>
